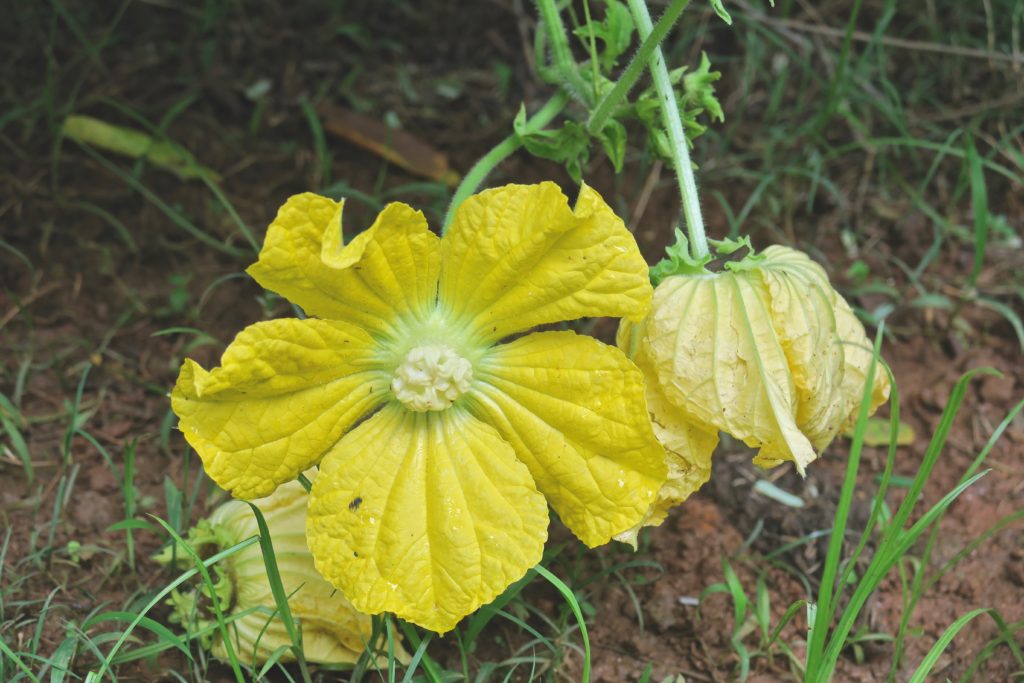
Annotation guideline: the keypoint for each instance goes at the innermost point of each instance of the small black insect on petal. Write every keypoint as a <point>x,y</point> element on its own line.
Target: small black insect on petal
<point>354,505</point>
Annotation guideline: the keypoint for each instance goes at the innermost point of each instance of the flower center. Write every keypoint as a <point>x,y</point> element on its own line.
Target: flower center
<point>431,377</point>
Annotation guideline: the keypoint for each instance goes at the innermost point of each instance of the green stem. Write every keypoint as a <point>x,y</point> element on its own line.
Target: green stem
<point>608,103</point>
<point>594,66</point>
<point>565,65</point>
<point>502,151</point>
<point>677,138</point>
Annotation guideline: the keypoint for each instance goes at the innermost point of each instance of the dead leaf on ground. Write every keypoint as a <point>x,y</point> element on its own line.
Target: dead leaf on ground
<point>397,146</point>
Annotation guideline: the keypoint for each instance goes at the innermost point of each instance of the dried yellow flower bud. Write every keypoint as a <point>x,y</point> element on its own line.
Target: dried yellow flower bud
<point>766,351</point>
<point>332,631</point>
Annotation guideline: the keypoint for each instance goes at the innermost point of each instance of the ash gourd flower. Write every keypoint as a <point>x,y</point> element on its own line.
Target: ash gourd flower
<point>765,350</point>
<point>333,632</point>
<point>439,448</point>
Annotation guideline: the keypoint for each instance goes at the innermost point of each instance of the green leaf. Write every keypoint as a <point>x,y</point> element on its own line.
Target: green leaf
<point>678,261</point>
<point>750,261</point>
<point>61,659</point>
<point>699,91</point>
<point>695,94</point>
<point>568,145</point>
<point>615,33</point>
<point>728,245</point>
<point>722,12</point>
<point>613,139</point>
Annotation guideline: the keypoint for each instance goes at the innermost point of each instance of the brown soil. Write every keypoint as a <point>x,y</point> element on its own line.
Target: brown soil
<point>88,310</point>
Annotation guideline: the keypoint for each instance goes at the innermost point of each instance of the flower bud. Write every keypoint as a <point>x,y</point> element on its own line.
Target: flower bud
<point>765,350</point>
<point>333,632</point>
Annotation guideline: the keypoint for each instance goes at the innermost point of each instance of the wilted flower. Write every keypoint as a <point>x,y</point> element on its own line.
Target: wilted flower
<point>765,350</point>
<point>333,632</point>
<point>437,500</point>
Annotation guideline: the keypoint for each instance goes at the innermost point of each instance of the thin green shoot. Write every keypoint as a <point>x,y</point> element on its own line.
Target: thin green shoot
<point>979,202</point>
<point>113,221</point>
<point>919,584</point>
<point>316,129</point>
<point>10,655</point>
<point>174,215</point>
<point>1007,312</point>
<point>162,632</point>
<point>816,668</point>
<point>988,651</point>
<point>152,649</point>
<point>431,669</point>
<point>417,656</point>
<point>930,659</point>
<point>885,480</point>
<point>504,149</point>
<point>10,420</point>
<point>75,419</point>
<point>565,68</point>
<point>896,539</point>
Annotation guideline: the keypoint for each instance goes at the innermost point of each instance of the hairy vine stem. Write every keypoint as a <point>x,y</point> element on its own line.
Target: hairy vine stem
<point>677,138</point>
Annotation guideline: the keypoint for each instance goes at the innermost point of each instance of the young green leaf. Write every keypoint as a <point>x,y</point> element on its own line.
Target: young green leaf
<point>721,11</point>
<point>613,139</point>
<point>615,32</point>
<point>568,145</point>
<point>162,153</point>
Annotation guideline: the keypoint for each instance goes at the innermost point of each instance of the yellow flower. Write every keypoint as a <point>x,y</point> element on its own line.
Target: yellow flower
<point>766,351</point>
<point>332,631</point>
<point>439,448</point>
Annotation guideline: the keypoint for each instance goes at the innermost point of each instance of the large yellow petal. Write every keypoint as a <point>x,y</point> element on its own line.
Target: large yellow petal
<point>574,410</point>
<point>388,272</point>
<point>718,358</point>
<point>688,447</point>
<point>427,515</point>
<point>517,257</point>
<point>285,392</point>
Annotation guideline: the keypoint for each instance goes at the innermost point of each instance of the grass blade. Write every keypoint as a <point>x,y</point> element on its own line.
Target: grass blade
<point>815,666</point>
<point>9,654</point>
<point>277,589</point>
<point>942,643</point>
<point>979,202</point>
<point>574,605</point>
<point>161,631</point>
<point>203,565</point>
